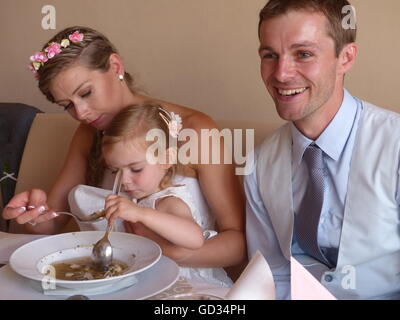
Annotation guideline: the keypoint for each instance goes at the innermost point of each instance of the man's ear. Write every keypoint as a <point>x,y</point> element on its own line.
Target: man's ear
<point>116,64</point>
<point>347,57</point>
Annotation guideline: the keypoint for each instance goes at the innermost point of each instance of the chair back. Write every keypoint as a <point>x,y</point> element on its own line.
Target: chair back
<point>15,123</point>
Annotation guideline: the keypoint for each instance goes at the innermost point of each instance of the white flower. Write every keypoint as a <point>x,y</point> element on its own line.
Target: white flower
<point>175,125</point>
<point>173,121</point>
<point>65,43</point>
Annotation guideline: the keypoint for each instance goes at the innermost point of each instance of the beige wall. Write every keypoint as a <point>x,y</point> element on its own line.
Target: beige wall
<point>196,53</point>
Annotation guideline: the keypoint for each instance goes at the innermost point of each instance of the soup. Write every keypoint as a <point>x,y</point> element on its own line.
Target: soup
<point>83,269</point>
<point>97,214</point>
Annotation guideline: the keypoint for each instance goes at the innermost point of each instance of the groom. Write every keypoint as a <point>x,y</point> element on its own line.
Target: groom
<point>326,185</point>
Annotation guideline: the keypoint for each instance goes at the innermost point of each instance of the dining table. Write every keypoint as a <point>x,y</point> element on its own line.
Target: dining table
<point>160,282</point>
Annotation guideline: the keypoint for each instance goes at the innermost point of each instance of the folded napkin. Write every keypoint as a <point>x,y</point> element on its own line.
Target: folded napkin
<point>103,289</point>
<point>304,286</point>
<point>84,200</point>
<point>9,242</point>
<point>255,283</point>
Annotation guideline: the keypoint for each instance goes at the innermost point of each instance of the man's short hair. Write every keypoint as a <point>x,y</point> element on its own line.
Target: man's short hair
<point>331,9</point>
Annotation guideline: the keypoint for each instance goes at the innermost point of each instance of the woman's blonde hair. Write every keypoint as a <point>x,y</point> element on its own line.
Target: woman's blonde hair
<point>92,52</point>
<point>134,122</point>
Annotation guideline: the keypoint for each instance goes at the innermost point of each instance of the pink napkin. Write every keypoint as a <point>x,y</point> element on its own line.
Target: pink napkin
<point>304,286</point>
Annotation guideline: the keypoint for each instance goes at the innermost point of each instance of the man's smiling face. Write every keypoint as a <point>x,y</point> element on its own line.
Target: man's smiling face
<point>299,66</point>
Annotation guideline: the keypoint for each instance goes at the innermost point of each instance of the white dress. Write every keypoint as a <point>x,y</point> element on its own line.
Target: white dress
<point>216,276</point>
<point>84,200</point>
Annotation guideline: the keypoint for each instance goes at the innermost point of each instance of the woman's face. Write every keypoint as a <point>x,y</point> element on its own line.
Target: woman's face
<point>90,96</point>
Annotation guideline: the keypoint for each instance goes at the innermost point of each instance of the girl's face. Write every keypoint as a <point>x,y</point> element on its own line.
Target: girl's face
<point>90,96</point>
<point>139,178</point>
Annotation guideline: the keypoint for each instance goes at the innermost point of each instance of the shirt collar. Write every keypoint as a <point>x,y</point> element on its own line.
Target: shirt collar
<point>334,137</point>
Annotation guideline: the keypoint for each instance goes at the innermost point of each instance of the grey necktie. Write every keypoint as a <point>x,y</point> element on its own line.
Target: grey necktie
<point>307,218</point>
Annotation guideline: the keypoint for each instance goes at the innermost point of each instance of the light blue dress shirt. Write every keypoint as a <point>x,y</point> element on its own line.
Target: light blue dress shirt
<point>336,142</point>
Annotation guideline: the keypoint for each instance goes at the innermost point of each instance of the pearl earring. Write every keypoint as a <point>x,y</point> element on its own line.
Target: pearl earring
<point>121,77</point>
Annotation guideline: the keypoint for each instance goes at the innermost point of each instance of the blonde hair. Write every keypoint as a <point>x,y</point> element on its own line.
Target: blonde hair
<point>92,52</point>
<point>133,122</point>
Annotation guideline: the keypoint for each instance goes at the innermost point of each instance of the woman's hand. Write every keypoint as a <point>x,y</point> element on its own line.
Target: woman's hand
<point>29,207</point>
<point>120,207</point>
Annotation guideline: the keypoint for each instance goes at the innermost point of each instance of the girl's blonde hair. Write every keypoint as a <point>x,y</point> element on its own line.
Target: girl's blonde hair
<point>92,52</point>
<point>134,122</point>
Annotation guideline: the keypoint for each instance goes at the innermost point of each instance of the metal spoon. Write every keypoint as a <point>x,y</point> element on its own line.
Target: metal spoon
<point>102,253</point>
<point>94,217</point>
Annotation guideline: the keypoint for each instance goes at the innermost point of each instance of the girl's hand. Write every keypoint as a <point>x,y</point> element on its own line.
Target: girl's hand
<point>120,207</point>
<point>29,207</point>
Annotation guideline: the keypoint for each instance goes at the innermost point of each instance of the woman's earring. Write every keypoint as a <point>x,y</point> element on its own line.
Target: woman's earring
<point>121,77</point>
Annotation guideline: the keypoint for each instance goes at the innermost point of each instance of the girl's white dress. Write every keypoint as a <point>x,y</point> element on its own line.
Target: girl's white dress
<point>84,200</point>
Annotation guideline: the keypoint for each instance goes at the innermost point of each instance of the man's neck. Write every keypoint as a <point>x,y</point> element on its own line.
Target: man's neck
<point>314,124</point>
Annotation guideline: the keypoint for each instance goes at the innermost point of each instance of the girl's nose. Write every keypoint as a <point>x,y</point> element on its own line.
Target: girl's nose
<point>126,179</point>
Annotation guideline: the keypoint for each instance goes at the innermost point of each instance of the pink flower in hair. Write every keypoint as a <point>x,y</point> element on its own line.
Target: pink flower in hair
<point>76,37</point>
<point>36,65</point>
<point>53,49</point>
<point>39,57</point>
<point>32,68</point>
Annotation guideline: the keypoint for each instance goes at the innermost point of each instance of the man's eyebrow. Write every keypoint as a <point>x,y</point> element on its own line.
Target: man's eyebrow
<point>265,48</point>
<point>58,101</point>
<point>305,44</point>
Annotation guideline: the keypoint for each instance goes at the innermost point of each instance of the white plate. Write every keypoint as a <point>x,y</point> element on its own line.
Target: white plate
<point>152,281</point>
<point>32,260</point>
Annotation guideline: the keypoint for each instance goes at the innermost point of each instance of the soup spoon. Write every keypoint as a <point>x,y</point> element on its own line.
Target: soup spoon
<point>92,218</point>
<point>102,253</point>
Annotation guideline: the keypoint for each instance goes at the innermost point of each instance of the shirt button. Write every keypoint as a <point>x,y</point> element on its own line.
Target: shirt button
<point>328,278</point>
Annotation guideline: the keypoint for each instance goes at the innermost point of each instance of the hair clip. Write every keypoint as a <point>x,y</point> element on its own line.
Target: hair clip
<point>173,121</point>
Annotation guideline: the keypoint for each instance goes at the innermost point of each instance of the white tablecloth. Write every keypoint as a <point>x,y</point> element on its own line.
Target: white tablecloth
<point>9,242</point>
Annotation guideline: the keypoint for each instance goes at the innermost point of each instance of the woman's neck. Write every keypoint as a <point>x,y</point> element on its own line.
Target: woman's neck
<point>133,98</point>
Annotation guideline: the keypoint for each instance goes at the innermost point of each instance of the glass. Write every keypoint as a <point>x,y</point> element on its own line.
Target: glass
<point>193,296</point>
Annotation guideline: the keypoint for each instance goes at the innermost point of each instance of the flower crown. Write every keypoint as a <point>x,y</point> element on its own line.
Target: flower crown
<point>54,48</point>
<point>173,121</point>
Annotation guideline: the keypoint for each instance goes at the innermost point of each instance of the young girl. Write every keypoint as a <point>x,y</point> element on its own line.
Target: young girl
<point>163,206</point>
